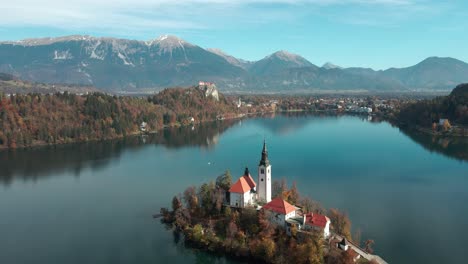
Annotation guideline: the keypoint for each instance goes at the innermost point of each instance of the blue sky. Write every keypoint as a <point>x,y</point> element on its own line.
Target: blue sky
<point>366,33</point>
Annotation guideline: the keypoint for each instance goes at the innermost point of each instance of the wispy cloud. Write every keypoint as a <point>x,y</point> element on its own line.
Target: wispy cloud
<point>139,16</point>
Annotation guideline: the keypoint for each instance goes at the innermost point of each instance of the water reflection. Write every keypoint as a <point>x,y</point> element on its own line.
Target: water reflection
<point>295,121</point>
<point>36,163</point>
<point>33,164</point>
<point>453,147</point>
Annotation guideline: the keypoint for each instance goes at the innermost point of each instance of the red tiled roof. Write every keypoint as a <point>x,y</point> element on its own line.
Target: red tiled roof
<point>241,186</point>
<point>280,206</point>
<point>316,220</point>
<point>249,180</point>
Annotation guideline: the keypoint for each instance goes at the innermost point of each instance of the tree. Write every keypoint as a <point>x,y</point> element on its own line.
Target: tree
<point>346,257</point>
<point>249,221</point>
<point>340,223</point>
<point>293,196</point>
<point>369,244</point>
<point>279,189</point>
<point>218,200</point>
<point>231,230</point>
<point>227,212</point>
<point>191,199</point>
<point>446,125</point>
<point>207,194</point>
<point>196,234</point>
<point>263,248</point>
<point>309,205</point>
<point>310,251</point>
<point>176,203</point>
<point>294,231</point>
<point>224,181</point>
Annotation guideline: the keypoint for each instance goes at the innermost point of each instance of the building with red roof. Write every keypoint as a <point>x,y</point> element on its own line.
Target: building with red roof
<point>280,210</point>
<point>242,192</point>
<point>317,222</point>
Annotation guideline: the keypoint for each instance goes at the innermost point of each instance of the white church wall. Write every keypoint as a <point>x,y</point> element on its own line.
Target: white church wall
<point>264,183</point>
<point>247,198</point>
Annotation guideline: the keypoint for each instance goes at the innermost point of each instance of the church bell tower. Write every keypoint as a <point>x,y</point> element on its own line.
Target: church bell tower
<point>264,177</point>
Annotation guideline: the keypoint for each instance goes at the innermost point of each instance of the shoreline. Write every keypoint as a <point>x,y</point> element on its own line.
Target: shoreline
<point>426,131</point>
<point>132,134</point>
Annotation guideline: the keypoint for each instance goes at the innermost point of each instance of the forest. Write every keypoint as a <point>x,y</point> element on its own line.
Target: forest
<point>425,113</point>
<point>44,119</point>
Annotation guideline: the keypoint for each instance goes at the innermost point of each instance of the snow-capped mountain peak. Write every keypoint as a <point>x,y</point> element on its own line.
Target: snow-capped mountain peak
<point>168,43</point>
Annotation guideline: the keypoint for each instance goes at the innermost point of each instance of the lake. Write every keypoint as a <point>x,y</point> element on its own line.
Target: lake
<point>93,202</point>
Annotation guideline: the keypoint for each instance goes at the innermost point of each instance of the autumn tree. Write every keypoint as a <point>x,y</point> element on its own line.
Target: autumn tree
<point>340,222</point>
<point>232,230</point>
<point>263,248</point>
<point>191,198</point>
<point>310,250</point>
<point>176,203</point>
<point>293,194</point>
<point>369,244</point>
<point>346,257</point>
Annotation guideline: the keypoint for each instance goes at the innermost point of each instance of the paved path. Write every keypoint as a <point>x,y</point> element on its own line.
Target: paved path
<point>361,252</point>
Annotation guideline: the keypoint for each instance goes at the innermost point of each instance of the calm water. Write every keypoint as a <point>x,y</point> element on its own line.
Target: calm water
<point>92,203</point>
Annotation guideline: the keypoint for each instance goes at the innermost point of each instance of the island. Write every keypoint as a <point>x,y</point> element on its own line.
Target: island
<point>263,221</point>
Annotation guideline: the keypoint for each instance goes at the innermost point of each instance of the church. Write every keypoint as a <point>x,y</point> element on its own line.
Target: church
<point>245,192</point>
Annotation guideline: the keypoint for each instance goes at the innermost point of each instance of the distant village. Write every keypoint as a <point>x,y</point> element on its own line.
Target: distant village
<point>356,104</point>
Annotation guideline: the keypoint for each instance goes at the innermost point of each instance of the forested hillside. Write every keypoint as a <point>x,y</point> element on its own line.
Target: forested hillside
<point>453,107</point>
<point>38,119</point>
<point>192,102</point>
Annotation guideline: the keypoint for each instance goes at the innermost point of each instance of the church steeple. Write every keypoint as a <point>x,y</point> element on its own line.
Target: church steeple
<point>264,161</point>
<point>264,176</point>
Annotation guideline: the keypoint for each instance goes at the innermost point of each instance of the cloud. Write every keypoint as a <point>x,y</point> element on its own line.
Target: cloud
<point>135,17</point>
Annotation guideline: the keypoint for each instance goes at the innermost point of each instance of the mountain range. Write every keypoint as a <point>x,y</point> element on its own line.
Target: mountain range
<point>129,65</point>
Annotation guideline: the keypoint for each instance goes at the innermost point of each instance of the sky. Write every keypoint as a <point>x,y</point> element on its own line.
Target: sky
<point>366,33</point>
